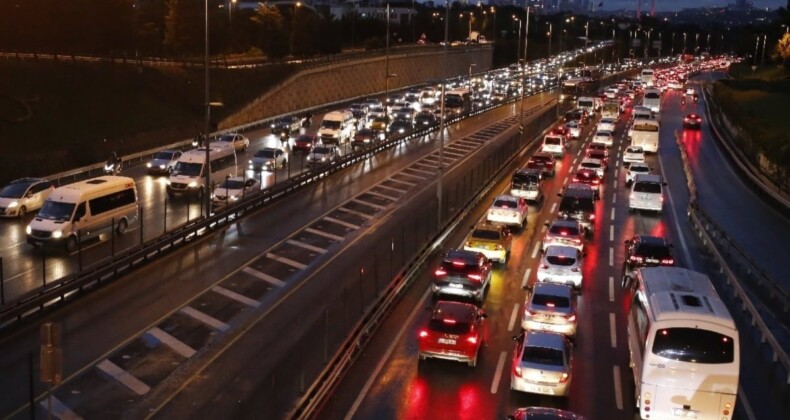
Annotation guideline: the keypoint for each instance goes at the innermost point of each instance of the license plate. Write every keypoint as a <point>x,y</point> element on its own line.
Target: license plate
<point>651,260</point>
<point>457,285</point>
<point>449,341</point>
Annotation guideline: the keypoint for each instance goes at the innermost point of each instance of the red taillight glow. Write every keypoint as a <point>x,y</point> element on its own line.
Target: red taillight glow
<point>517,371</point>
<point>595,181</point>
<point>423,334</point>
<point>471,340</point>
<point>592,217</point>
<point>564,378</point>
<point>550,304</point>
<point>571,317</point>
<point>636,258</point>
<point>440,272</point>
<point>449,321</point>
<point>459,263</point>
<point>667,261</point>
<point>475,276</point>
<point>564,233</point>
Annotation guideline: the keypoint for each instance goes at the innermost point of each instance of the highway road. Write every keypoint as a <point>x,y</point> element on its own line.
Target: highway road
<point>388,381</point>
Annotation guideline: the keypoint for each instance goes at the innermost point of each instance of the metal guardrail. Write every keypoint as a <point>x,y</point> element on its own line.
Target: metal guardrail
<point>709,235</point>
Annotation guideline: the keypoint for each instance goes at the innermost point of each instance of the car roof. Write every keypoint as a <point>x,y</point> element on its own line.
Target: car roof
<point>648,178</point>
<point>553,289</point>
<point>592,160</point>
<point>566,223</point>
<point>561,251</point>
<point>638,165</point>
<point>29,181</point>
<point>488,226</point>
<point>506,198</point>
<point>543,155</point>
<point>529,171</point>
<point>635,148</point>
<point>459,311</point>
<point>544,339</point>
<point>577,189</point>
<point>651,240</point>
<point>468,257</point>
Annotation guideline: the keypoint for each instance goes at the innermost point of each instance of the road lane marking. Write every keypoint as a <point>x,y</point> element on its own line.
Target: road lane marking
<point>384,196</point>
<point>614,184</point>
<point>301,244</point>
<point>611,289</point>
<point>384,358</point>
<point>675,219</point>
<point>204,318</point>
<point>611,233</point>
<point>526,278</point>
<point>238,297</point>
<point>535,250</point>
<point>358,213</point>
<point>574,161</point>
<point>340,222</point>
<point>612,330</point>
<point>59,410</point>
<point>175,344</point>
<point>616,173</point>
<point>513,317</point>
<point>618,388</point>
<point>125,378</point>
<point>553,207</point>
<point>324,234</point>
<point>614,198</point>
<point>612,215</point>
<point>287,261</point>
<point>368,203</point>
<point>611,257</point>
<point>263,276</point>
<point>500,365</point>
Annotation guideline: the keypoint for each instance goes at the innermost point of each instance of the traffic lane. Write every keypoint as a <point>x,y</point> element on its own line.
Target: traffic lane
<point>759,229</point>
<point>177,278</point>
<point>24,270</point>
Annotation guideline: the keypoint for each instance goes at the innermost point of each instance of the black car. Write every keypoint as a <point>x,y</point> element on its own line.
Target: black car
<point>462,274</point>
<point>401,126</point>
<point>286,125</point>
<point>646,251</point>
<point>578,203</point>
<point>425,119</point>
<point>545,162</point>
<point>366,137</point>
<point>591,178</point>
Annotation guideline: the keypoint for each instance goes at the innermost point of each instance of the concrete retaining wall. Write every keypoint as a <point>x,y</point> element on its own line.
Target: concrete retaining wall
<point>321,85</point>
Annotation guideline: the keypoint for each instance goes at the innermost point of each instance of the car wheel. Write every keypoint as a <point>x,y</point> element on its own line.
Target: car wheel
<point>70,244</point>
<point>122,226</point>
<point>21,212</point>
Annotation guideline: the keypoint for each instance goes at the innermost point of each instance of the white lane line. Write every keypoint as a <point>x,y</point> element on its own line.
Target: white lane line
<point>553,207</point>
<point>535,250</point>
<point>611,289</point>
<point>574,161</point>
<point>368,203</point>
<point>125,378</point>
<point>611,257</point>
<point>263,276</point>
<point>675,219</point>
<point>301,244</point>
<point>612,215</point>
<point>390,188</point>
<point>7,279</point>
<point>500,365</point>
<point>422,171</point>
<point>175,344</point>
<point>386,356</point>
<point>611,233</point>
<point>614,184</point>
<point>618,388</point>
<point>411,184</point>
<point>612,330</point>
<point>59,410</point>
<point>579,153</point>
<point>526,278</point>
<point>204,318</point>
<point>388,197</point>
<point>614,198</point>
<point>616,173</point>
<point>358,213</point>
<point>513,316</point>
<point>324,234</point>
<point>287,261</point>
<point>340,222</point>
<point>238,297</point>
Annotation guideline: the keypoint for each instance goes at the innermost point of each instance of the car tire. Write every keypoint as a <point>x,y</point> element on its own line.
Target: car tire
<point>21,212</point>
<point>121,227</point>
<point>70,244</point>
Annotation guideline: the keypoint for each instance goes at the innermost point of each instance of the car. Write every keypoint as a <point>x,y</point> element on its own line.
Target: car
<point>589,177</point>
<point>577,115</point>
<point>600,155</point>
<point>674,84</point>
<point>323,154</point>
<point>401,126</point>
<point>689,91</point>
<point>24,195</point>
<point>606,124</point>
<point>455,331</point>
<point>596,165</point>
<point>284,126</point>
<point>509,211</point>
<point>647,193</point>
<point>493,241</point>
<point>376,112</point>
<point>464,274</point>
<point>425,118</point>
<point>561,264</point>
<point>403,113</point>
<point>478,103</point>
<point>563,232</point>
<point>561,130</point>
<point>163,162</point>
<point>305,143</point>
<point>238,141</point>
<point>646,251</point>
<point>597,146</point>
<point>554,144</point>
<point>267,159</point>
<point>380,124</point>
<point>692,121</point>
<point>634,154</point>
<point>542,364</point>
<point>234,189</point>
<point>578,203</point>
<point>527,183</point>
<point>543,413</point>
<point>366,137</point>
<point>635,169</point>
<point>604,137</point>
<point>543,161</point>
<point>550,307</point>
<point>574,129</point>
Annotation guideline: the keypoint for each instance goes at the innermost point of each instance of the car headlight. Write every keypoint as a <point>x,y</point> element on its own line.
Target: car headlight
<point>148,164</point>
<point>13,204</point>
<point>192,184</point>
<point>57,234</point>
<point>272,125</point>
<point>323,159</point>
<point>250,161</point>
<point>250,167</point>
<point>161,166</point>
<point>233,198</point>
<point>28,230</point>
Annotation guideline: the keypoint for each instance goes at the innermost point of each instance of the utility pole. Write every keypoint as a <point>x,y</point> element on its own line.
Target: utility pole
<point>207,126</point>
<point>523,78</point>
<point>440,166</point>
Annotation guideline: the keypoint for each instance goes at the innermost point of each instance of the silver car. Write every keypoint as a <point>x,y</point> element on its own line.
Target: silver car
<point>550,307</point>
<point>564,232</point>
<point>542,364</point>
<point>163,162</point>
<point>323,154</point>
<point>268,159</point>
<point>24,195</point>
<point>561,264</point>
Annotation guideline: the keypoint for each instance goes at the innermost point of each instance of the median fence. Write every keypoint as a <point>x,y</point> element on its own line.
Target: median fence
<point>744,279</point>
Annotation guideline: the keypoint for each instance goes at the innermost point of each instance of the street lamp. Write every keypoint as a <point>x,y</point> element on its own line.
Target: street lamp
<point>440,166</point>
<point>548,34</point>
<point>470,76</point>
<point>518,44</point>
<point>684,42</point>
<point>673,44</point>
<point>647,43</point>
<point>523,78</point>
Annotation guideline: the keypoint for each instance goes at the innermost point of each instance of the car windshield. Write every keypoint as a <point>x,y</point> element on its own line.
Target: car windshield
<point>551,300</point>
<point>634,149</point>
<point>232,184</point>
<point>505,204</point>
<point>552,141</point>
<point>163,155</point>
<point>652,95</point>
<point>647,187</point>
<point>694,345</point>
<point>542,355</point>
<point>187,169</point>
<point>591,165</point>
<point>14,190</point>
<point>56,210</point>
<point>588,104</point>
<point>519,178</point>
<point>573,204</point>
<point>564,230</point>
<point>485,234</point>
<point>560,260</point>
<point>304,139</point>
<point>227,138</point>
<point>640,169</point>
<point>448,326</point>
<point>653,251</point>
<point>282,121</point>
<point>330,124</point>
<point>320,150</point>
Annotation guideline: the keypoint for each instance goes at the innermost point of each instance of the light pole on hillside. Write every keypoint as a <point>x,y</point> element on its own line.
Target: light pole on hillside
<point>442,117</point>
<point>518,43</point>
<point>523,79</point>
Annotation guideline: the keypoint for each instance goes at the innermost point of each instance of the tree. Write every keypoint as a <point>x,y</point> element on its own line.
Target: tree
<point>783,47</point>
<point>184,26</point>
<point>271,37</point>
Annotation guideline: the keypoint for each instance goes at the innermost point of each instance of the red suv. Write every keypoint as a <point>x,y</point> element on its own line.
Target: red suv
<point>463,274</point>
<point>543,161</point>
<point>454,332</point>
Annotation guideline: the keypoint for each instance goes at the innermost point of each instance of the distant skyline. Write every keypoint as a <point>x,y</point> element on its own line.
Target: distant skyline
<point>673,5</point>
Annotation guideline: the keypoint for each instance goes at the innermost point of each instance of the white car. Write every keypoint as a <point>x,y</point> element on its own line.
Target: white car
<point>268,158</point>
<point>553,144</point>
<point>606,124</point>
<point>508,210</point>
<point>550,307</point>
<point>635,169</point>
<point>542,364</point>
<point>574,129</point>
<point>163,162</point>
<point>594,164</point>
<point>634,154</point>
<point>561,264</point>
<point>234,189</point>
<point>24,195</point>
<point>322,154</point>
<point>646,193</point>
<point>603,137</point>
<point>238,141</point>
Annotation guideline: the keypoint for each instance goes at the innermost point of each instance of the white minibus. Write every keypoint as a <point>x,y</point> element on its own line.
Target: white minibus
<point>84,210</point>
<point>684,346</point>
<point>188,174</point>
<point>648,77</point>
<point>644,133</point>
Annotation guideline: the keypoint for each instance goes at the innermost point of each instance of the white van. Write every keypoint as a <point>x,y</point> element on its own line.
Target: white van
<point>553,144</point>
<point>188,175</point>
<point>647,78</point>
<point>652,100</point>
<point>84,210</point>
<point>586,103</point>
<point>337,127</point>
<point>647,193</point>
<point>644,133</point>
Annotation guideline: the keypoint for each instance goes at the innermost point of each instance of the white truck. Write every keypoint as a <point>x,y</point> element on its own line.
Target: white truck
<point>644,133</point>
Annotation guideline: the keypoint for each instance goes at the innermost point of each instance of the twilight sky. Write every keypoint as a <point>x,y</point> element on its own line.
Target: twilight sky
<point>670,5</point>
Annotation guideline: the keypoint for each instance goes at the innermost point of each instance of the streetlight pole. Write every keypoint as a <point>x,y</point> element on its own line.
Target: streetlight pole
<point>549,35</point>
<point>660,43</point>
<point>207,126</point>
<point>470,76</point>
<point>387,66</point>
<point>440,166</point>
<point>518,40</point>
<point>673,45</point>
<point>647,43</point>
<point>762,60</point>
<point>523,78</point>
<point>684,42</point>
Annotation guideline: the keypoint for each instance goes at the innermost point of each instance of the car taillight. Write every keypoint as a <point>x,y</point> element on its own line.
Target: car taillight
<point>595,181</point>
<point>592,217</point>
<point>575,179</point>
<point>459,263</point>
<point>499,247</point>
<point>667,261</point>
<point>571,317</point>
<point>563,233</point>
<point>423,334</point>
<point>469,243</point>
<point>527,312</point>
<point>440,272</point>
<point>471,339</point>
<point>631,197</point>
<point>564,378</point>
<point>477,277</point>
<point>636,258</point>
<point>517,371</point>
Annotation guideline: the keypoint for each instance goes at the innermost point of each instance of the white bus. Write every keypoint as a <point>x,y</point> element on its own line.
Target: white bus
<point>684,346</point>
<point>644,133</point>
<point>188,174</point>
<point>647,78</point>
<point>84,210</point>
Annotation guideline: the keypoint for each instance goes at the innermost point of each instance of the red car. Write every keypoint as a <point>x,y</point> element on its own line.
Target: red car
<point>597,146</point>
<point>543,161</point>
<point>454,332</point>
<point>600,155</point>
<point>305,143</point>
<point>692,121</point>
<point>589,177</point>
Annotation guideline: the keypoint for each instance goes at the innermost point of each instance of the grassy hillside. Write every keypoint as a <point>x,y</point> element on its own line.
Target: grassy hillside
<point>55,116</point>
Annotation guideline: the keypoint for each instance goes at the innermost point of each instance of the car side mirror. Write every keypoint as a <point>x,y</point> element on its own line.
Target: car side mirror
<point>483,315</point>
